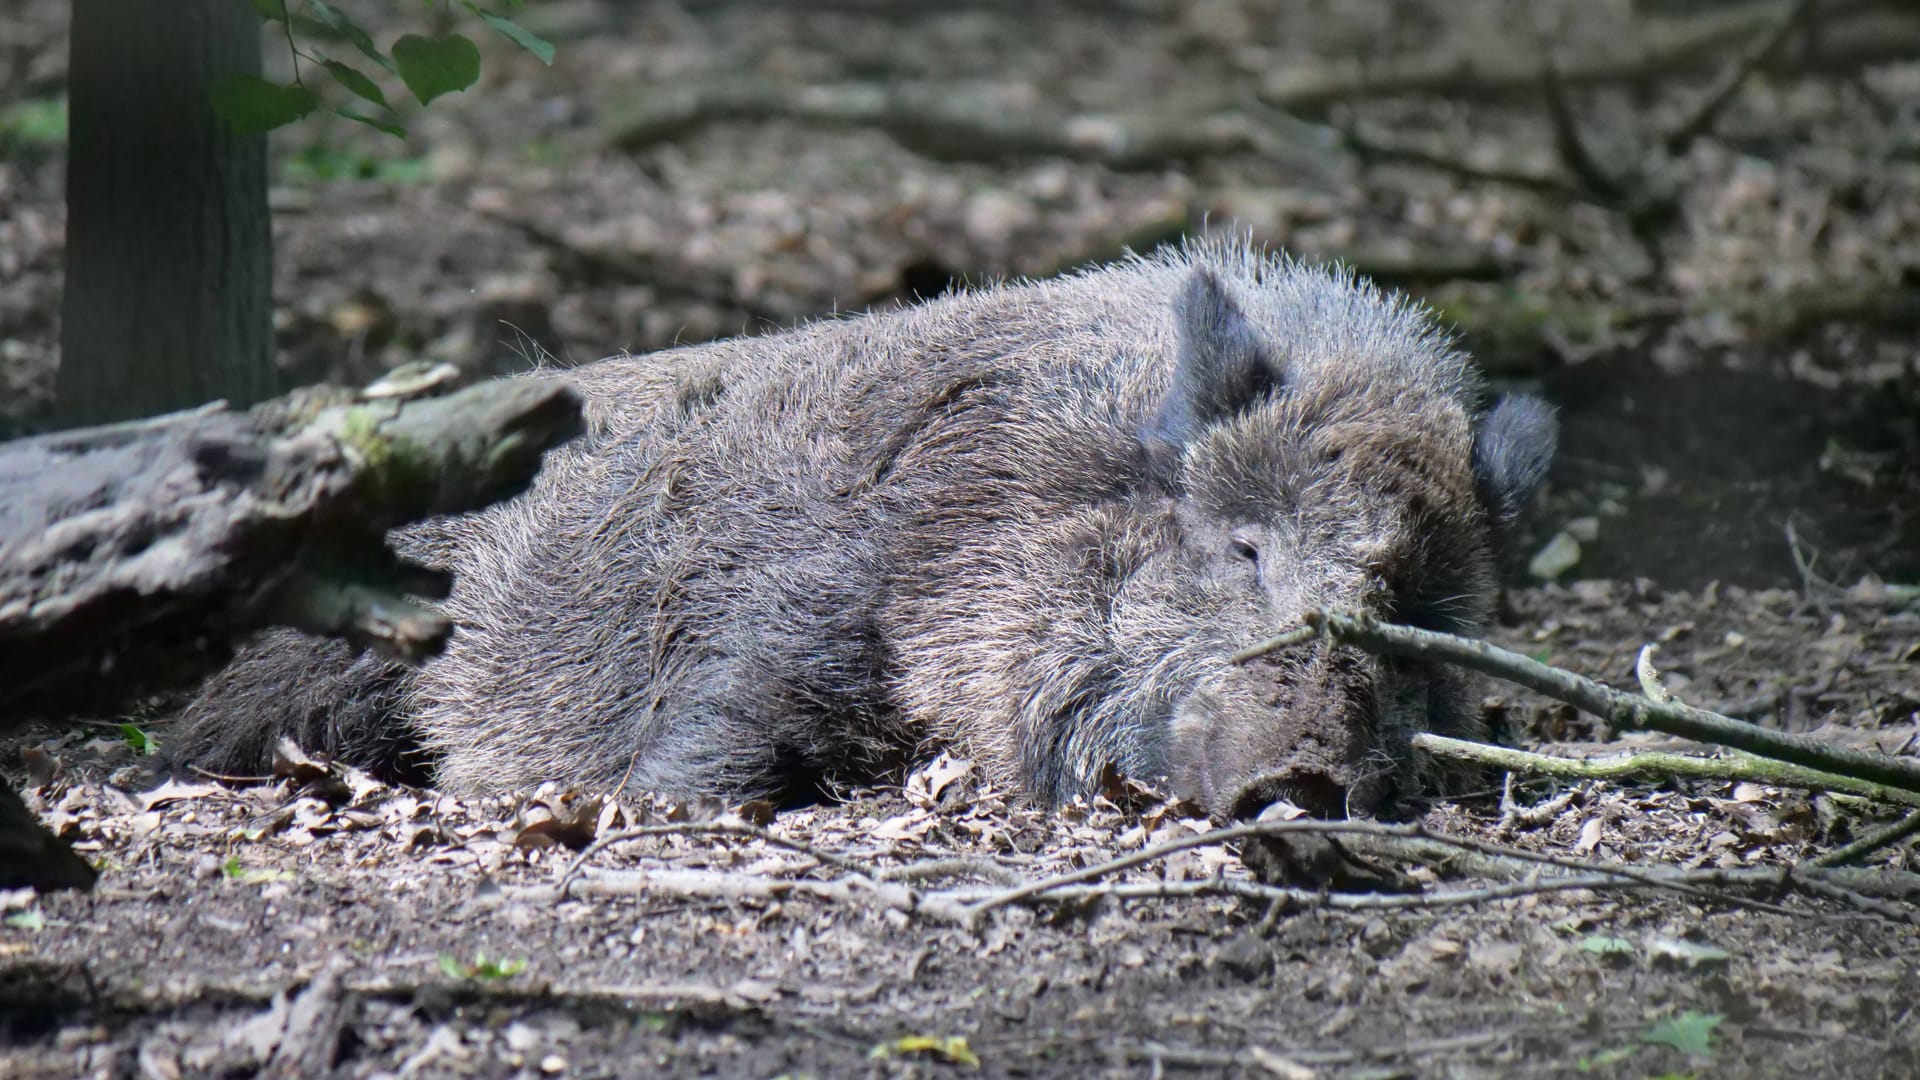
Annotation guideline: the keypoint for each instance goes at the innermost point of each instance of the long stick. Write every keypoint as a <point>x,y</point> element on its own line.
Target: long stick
<point>1656,763</point>
<point>1624,711</point>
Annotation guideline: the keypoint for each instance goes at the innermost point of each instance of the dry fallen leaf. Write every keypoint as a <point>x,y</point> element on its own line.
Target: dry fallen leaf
<point>926,784</point>
<point>570,820</point>
<point>174,791</point>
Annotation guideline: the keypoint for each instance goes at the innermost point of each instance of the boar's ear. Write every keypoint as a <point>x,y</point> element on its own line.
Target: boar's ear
<point>1512,446</point>
<point>1222,366</point>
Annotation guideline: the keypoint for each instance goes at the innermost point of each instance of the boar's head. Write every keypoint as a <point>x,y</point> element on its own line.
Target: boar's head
<point>1351,470</point>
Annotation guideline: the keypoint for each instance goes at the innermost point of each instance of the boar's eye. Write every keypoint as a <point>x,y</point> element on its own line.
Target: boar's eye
<point>1243,545</point>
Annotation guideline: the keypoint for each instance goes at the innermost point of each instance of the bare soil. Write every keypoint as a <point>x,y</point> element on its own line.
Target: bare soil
<point>1743,490</point>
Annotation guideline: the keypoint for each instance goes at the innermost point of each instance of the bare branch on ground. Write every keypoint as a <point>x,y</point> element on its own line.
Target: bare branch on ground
<point>1677,48</point>
<point>941,123</point>
<point>1700,120</point>
<point>1626,712</point>
<point>698,828</point>
<point>1657,765</point>
<point>1515,872</point>
<point>1870,843</point>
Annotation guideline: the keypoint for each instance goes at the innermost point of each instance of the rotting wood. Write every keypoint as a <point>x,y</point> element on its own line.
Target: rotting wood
<point>134,556</point>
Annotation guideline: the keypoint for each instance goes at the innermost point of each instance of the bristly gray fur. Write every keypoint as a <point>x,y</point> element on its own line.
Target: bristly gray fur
<point>1031,520</point>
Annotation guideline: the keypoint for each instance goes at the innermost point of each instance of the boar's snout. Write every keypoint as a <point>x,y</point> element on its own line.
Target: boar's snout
<point>1299,725</point>
<point>1317,791</point>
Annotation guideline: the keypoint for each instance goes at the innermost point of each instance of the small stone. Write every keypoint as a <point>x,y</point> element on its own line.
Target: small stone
<point>1593,593</point>
<point>1561,554</point>
<point>992,217</point>
<point>1584,529</point>
<point>1688,955</point>
<point>553,1064</point>
<point>1246,956</point>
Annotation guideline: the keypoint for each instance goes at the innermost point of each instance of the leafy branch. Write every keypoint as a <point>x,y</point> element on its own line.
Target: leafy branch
<point>428,66</point>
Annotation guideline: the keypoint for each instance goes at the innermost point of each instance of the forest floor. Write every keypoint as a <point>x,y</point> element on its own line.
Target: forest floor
<point>1740,468</point>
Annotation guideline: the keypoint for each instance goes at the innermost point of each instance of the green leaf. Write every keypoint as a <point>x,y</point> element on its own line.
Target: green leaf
<point>250,104</point>
<point>139,740</point>
<point>271,10</point>
<point>515,33</point>
<point>481,968</point>
<point>234,870</point>
<point>352,79</point>
<point>1605,1058</point>
<point>434,66</point>
<point>396,130</point>
<point>950,1048</point>
<point>334,20</point>
<point>1690,1033</point>
<point>1605,946</point>
<point>30,920</point>
<point>43,121</point>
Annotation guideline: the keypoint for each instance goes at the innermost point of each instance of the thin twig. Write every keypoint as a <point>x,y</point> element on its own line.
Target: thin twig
<point>1687,881</point>
<point>1870,843</point>
<point>1817,589</point>
<point>1649,675</point>
<point>1513,815</point>
<point>964,906</point>
<point>699,828</point>
<point>1257,1057</point>
<point>1412,834</point>
<point>1701,119</point>
<point>1295,636</point>
<point>1568,142</point>
<point>1623,711</point>
<point>1659,763</point>
<point>1370,149</point>
<point>930,869</point>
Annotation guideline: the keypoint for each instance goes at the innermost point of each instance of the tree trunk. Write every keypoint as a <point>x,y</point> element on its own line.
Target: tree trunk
<point>169,251</point>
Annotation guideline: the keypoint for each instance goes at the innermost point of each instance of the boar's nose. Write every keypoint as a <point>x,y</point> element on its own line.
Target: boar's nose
<point>1310,789</point>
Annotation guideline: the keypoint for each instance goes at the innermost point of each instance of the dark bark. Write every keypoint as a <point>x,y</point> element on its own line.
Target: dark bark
<point>169,253</point>
<point>33,858</point>
<point>132,557</point>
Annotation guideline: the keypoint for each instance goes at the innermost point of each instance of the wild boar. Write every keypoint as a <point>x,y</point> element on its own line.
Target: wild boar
<point>1031,522</point>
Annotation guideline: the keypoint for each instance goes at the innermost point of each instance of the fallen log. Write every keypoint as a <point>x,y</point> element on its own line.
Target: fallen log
<point>134,557</point>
